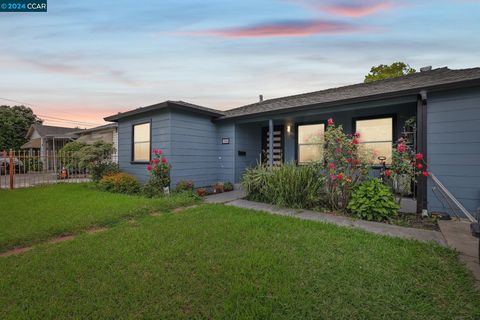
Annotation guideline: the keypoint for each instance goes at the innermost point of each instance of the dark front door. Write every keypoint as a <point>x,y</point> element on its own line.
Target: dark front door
<point>278,143</point>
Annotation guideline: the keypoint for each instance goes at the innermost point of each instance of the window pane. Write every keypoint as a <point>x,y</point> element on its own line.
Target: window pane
<point>375,130</point>
<point>141,151</point>
<point>312,133</point>
<point>310,153</point>
<point>377,149</point>
<point>141,132</point>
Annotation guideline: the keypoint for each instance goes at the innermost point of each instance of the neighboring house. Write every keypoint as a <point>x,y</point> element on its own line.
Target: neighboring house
<point>107,133</point>
<point>47,139</point>
<point>207,145</point>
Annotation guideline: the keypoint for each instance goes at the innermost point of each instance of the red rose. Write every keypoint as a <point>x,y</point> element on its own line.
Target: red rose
<point>164,160</point>
<point>340,176</point>
<point>357,134</point>
<point>419,156</point>
<point>331,165</point>
<point>330,122</point>
<point>333,177</point>
<point>425,173</point>
<point>355,141</point>
<point>419,166</point>
<point>149,168</point>
<point>387,173</point>
<point>401,148</point>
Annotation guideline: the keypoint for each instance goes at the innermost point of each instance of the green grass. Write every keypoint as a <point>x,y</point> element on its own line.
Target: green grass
<point>215,261</point>
<point>34,214</point>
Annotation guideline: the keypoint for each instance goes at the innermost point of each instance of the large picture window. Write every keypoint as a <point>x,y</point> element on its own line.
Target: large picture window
<point>376,137</point>
<point>141,142</point>
<point>311,140</point>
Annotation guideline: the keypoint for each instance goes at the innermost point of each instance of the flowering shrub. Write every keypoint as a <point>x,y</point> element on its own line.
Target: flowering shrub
<point>120,182</point>
<point>345,164</point>
<point>406,165</point>
<point>159,169</point>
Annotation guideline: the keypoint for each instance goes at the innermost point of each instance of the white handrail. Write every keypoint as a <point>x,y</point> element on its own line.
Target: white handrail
<point>452,198</point>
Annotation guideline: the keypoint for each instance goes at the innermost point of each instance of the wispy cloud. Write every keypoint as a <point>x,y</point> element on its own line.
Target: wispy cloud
<point>294,28</point>
<point>68,69</point>
<point>356,9</point>
<point>345,8</point>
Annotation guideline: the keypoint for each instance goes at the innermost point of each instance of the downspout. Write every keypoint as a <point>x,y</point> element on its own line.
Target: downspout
<point>422,148</point>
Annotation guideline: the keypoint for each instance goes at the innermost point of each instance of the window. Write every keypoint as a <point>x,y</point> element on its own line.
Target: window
<point>376,137</point>
<point>141,142</point>
<point>311,141</point>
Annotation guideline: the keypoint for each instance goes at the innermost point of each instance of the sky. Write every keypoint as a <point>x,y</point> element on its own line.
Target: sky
<point>84,60</point>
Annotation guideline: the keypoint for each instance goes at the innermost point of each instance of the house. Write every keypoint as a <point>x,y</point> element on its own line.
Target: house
<point>207,145</point>
<point>107,133</point>
<point>43,139</point>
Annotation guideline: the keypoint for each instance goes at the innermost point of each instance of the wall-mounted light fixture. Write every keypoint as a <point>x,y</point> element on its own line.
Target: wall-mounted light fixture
<point>289,128</point>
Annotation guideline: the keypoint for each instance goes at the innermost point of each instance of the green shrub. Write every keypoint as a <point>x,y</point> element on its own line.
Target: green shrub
<point>120,182</point>
<point>372,200</point>
<point>185,185</point>
<point>288,185</point>
<point>228,186</point>
<point>97,158</point>
<point>100,169</point>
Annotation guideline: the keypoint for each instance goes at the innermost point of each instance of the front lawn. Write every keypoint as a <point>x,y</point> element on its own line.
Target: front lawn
<point>215,261</point>
<point>34,214</point>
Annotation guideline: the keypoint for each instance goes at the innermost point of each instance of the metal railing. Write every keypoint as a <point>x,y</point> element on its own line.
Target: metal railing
<point>21,169</point>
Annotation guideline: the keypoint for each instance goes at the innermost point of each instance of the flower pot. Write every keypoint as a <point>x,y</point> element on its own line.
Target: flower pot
<point>402,184</point>
<point>219,188</point>
<point>201,192</point>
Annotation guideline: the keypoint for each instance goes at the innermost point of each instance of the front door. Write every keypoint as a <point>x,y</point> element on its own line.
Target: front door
<point>277,145</point>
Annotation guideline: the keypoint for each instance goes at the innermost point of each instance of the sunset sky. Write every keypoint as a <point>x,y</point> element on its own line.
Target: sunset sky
<point>84,60</point>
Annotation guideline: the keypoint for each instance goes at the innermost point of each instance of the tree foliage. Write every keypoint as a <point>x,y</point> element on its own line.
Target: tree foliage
<point>383,71</point>
<point>14,124</point>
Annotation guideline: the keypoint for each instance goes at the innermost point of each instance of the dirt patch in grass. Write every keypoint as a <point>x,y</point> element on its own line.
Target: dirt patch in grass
<point>415,221</point>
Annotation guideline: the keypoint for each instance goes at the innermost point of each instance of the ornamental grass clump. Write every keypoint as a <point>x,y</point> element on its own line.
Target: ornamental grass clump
<point>345,164</point>
<point>286,185</point>
<point>372,200</point>
<point>159,180</point>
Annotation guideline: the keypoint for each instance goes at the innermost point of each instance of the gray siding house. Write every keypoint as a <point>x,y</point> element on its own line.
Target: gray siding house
<point>207,145</point>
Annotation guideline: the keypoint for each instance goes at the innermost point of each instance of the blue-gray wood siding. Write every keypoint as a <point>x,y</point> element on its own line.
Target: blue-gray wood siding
<point>226,152</point>
<point>194,148</point>
<point>248,138</point>
<point>160,127</point>
<point>453,145</point>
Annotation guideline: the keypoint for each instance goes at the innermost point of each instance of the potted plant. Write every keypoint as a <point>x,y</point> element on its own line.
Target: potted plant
<point>219,187</point>
<point>228,186</point>
<point>201,192</point>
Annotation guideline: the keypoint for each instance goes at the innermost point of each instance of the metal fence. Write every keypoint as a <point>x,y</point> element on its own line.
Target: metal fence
<point>21,169</point>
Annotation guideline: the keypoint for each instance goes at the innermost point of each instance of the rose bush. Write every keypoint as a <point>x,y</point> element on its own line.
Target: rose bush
<point>159,169</point>
<point>345,164</point>
<point>406,167</point>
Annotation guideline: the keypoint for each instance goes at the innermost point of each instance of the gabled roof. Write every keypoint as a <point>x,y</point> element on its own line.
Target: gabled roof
<point>99,128</point>
<point>168,104</point>
<point>45,131</point>
<point>409,84</point>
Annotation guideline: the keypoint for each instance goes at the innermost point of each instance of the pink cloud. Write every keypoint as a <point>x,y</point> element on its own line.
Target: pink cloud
<point>281,29</point>
<point>356,10</point>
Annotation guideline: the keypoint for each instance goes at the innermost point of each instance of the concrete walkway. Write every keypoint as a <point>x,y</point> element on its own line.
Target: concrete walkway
<point>224,197</point>
<point>375,227</point>
<point>458,236</point>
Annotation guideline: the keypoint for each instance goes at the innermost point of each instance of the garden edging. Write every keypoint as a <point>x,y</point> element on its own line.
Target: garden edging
<point>370,226</point>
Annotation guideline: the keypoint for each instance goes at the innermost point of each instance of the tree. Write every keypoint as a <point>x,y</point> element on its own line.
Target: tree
<point>14,124</point>
<point>383,71</point>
